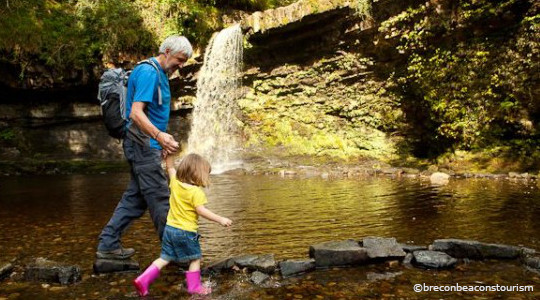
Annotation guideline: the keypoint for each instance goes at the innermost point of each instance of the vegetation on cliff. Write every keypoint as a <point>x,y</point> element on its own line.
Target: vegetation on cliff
<point>77,34</point>
<point>471,79</point>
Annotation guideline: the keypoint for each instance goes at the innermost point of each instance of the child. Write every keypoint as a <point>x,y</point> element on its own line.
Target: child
<point>180,240</point>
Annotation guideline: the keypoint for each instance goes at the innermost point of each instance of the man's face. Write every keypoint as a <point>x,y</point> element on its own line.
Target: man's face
<point>174,61</point>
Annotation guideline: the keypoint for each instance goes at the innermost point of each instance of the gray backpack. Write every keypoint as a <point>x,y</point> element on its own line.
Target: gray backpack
<point>112,93</point>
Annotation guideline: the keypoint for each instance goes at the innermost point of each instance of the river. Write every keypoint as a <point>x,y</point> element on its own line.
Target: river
<point>60,217</point>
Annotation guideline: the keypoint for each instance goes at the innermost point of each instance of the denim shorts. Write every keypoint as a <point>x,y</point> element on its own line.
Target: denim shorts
<point>179,245</point>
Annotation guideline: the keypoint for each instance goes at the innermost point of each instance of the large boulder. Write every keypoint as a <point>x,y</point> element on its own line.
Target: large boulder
<point>338,253</point>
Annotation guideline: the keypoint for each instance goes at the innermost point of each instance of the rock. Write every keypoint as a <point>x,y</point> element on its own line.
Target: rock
<point>411,248</point>
<point>5,270</point>
<point>265,263</point>
<point>258,277</point>
<point>292,267</point>
<point>50,271</point>
<point>338,253</point>
<point>385,248</point>
<point>408,259</point>
<point>532,262</point>
<point>474,249</point>
<point>219,266</point>
<point>371,276</point>
<point>111,265</point>
<point>439,178</point>
<point>433,259</point>
<point>513,175</point>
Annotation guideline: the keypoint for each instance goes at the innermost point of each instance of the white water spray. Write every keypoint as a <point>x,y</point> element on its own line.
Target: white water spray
<point>214,129</point>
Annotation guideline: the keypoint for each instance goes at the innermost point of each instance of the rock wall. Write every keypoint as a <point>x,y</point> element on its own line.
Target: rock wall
<point>318,85</point>
<point>66,130</point>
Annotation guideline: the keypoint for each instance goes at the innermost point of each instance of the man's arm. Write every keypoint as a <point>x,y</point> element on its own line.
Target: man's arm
<point>167,141</point>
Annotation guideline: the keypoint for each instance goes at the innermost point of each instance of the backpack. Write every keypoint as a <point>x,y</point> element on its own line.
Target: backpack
<point>112,94</point>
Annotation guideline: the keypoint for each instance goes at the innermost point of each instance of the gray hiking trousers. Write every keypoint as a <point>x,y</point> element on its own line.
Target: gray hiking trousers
<point>148,188</point>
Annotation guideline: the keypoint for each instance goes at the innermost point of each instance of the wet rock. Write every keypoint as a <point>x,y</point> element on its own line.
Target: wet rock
<point>338,253</point>
<point>433,259</point>
<point>258,277</point>
<point>411,248</point>
<point>111,265</point>
<point>220,266</point>
<point>382,248</point>
<point>408,259</point>
<point>371,276</point>
<point>532,262</point>
<point>265,263</point>
<point>50,271</point>
<point>292,267</point>
<point>5,270</point>
<point>474,249</point>
<point>439,178</point>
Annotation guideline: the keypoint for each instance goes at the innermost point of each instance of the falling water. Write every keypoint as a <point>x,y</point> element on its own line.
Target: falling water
<point>214,131</point>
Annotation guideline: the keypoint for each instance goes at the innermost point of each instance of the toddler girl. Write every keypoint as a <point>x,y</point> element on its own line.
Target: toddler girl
<point>180,240</point>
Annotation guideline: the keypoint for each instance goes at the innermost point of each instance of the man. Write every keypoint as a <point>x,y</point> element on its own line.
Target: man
<point>148,107</point>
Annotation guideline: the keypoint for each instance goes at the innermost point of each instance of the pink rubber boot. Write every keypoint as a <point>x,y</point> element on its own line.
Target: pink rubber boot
<point>144,280</point>
<point>194,286</point>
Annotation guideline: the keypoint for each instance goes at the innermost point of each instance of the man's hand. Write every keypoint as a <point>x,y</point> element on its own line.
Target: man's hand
<point>167,142</point>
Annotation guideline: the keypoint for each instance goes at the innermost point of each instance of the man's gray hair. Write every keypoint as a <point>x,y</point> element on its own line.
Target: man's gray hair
<point>176,44</point>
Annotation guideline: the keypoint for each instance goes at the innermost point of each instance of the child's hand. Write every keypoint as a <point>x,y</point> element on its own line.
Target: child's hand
<point>225,222</point>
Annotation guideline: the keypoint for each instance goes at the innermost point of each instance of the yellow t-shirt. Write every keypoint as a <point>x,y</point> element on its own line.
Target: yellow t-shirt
<point>183,201</point>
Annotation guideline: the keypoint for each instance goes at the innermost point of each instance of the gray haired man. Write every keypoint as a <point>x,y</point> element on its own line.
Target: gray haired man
<point>147,108</point>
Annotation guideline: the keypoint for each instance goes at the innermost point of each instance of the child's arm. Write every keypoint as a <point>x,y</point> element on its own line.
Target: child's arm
<point>208,214</point>
<point>169,166</point>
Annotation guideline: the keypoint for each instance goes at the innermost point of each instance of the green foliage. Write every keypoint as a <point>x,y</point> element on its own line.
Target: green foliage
<point>471,84</point>
<point>7,134</point>
<point>76,34</point>
<point>70,34</point>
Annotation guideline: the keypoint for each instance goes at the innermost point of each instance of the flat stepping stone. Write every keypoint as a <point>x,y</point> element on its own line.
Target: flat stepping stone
<point>338,253</point>
<point>258,277</point>
<point>475,250</point>
<point>113,266</point>
<point>293,267</point>
<point>433,259</point>
<point>264,263</point>
<point>44,270</point>
<point>383,248</point>
<point>227,263</point>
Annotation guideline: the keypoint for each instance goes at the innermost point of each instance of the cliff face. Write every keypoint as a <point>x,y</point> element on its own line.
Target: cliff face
<point>396,80</point>
<point>318,84</point>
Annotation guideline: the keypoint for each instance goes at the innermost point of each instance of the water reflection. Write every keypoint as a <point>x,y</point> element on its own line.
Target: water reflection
<point>60,217</point>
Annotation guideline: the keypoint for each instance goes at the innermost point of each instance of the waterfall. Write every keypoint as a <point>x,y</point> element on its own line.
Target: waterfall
<point>215,131</point>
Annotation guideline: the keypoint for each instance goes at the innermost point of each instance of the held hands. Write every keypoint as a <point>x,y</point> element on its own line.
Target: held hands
<point>167,142</point>
<point>226,222</point>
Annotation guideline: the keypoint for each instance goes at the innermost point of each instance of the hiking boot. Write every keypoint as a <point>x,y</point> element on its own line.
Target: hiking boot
<point>120,253</point>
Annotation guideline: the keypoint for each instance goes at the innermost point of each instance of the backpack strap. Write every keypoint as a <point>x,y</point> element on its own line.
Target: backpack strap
<point>153,64</point>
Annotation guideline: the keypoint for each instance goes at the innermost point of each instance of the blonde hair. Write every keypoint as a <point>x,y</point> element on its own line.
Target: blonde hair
<point>194,169</point>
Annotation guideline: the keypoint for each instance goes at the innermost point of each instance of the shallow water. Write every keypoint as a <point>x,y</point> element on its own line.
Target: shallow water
<point>60,217</point>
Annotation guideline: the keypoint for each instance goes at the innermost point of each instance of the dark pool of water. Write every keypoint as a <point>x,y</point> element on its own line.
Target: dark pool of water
<point>60,217</point>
